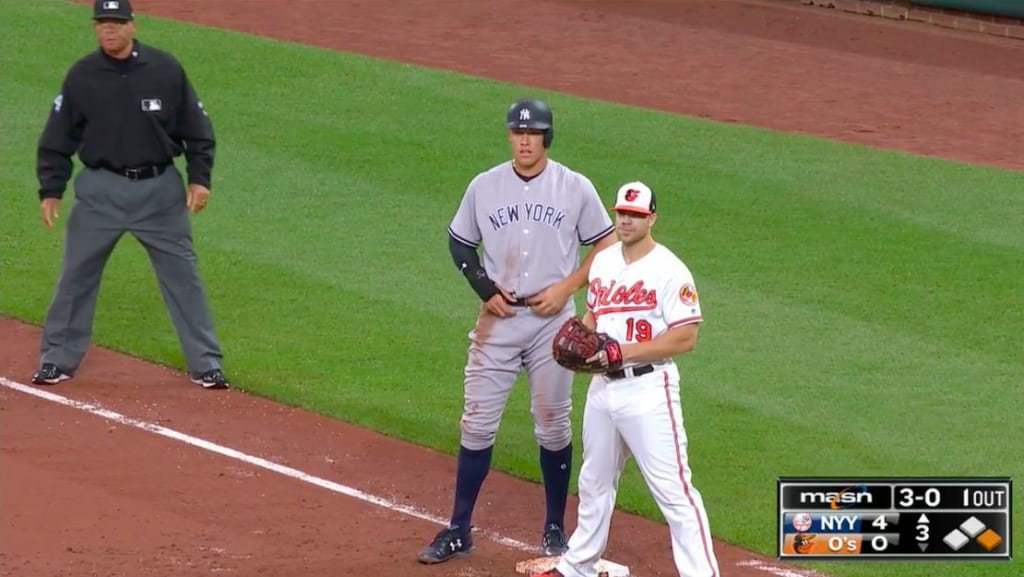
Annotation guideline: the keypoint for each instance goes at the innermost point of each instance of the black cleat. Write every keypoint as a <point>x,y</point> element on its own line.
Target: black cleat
<point>49,374</point>
<point>212,379</point>
<point>450,542</point>
<point>554,542</point>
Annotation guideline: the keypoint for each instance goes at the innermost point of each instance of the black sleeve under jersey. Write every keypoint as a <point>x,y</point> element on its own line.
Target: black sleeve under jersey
<point>468,262</point>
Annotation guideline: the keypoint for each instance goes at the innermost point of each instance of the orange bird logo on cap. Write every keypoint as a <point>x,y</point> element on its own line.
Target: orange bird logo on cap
<point>632,194</point>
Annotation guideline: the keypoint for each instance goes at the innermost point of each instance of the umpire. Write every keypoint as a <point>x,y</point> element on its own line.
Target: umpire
<point>127,110</point>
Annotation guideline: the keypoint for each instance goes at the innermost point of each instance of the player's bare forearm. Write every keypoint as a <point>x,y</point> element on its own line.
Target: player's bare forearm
<point>578,279</point>
<point>589,321</point>
<point>665,346</point>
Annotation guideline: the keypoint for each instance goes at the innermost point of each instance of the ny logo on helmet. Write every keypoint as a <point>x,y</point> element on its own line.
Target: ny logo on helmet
<point>631,194</point>
<point>524,114</point>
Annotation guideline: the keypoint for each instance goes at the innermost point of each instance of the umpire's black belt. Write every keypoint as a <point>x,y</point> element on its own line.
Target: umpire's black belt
<point>138,173</point>
<point>630,372</point>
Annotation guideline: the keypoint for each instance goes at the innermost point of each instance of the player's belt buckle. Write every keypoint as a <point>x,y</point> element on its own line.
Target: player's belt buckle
<point>630,372</point>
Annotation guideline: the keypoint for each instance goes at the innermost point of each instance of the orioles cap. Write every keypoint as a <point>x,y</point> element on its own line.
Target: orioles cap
<point>637,198</point>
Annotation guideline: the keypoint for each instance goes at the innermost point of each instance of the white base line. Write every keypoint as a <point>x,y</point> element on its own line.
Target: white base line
<point>306,477</point>
<point>252,460</point>
<point>780,571</point>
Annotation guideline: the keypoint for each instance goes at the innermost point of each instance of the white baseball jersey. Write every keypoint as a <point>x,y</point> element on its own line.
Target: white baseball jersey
<point>639,416</point>
<point>636,302</point>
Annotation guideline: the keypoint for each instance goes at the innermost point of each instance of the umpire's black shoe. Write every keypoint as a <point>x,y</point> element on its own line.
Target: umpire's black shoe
<point>212,379</point>
<point>554,542</point>
<point>49,374</point>
<point>450,542</point>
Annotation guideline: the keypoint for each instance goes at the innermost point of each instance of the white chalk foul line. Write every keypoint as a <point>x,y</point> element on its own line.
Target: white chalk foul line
<point>774,570</point>
<point>311,479</point>
<point>253,460</point>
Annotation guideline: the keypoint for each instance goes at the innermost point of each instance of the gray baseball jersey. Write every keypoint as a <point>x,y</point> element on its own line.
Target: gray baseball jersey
<point>531,231</point>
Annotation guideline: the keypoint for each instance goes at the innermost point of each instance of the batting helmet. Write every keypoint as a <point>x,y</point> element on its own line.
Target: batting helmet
<point>533,114</point>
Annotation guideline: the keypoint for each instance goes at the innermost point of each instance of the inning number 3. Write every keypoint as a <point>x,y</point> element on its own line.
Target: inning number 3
<point>638,330</point>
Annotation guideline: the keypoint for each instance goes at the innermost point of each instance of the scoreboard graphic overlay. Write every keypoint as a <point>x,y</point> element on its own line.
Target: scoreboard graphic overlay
<point>821,518</point>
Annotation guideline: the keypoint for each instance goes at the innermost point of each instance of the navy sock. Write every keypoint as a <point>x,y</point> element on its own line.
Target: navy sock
<point>556,468</point>
<point>469,478</point>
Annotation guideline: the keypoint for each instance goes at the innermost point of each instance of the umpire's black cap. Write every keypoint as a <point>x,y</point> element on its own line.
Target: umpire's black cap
<point>112,10</point>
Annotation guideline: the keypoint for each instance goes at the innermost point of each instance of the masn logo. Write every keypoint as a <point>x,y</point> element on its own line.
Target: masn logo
<point>838,499</point>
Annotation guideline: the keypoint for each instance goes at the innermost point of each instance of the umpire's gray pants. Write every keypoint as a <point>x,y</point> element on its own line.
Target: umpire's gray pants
<point>106,206</point>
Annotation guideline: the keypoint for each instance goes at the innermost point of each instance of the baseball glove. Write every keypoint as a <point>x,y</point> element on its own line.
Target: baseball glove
<point>575,343</point>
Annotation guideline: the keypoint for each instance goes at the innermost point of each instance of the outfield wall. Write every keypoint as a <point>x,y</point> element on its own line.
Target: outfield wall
<point>1009,8</point>
<point>945,13</point>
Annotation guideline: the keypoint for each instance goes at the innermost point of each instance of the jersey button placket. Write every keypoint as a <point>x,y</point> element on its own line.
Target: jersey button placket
<point>526,231</point>
<point>523,241</point>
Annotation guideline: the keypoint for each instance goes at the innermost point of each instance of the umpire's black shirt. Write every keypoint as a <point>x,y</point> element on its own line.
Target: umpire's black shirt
<point>119,114</point>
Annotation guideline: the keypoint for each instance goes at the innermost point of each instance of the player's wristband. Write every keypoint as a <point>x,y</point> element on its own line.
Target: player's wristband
<point>468,261</point>
<point>481,283</point>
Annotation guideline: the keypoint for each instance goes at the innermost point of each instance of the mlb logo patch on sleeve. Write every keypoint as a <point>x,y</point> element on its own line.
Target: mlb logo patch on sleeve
<point>111,5</point>
<point>152,104</point>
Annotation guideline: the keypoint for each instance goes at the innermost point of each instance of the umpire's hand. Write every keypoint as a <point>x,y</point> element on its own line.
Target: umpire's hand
<point>197,197</point>
<point>50,208</point>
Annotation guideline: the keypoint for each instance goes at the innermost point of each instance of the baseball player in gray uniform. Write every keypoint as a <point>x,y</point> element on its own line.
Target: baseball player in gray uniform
<point>531,214</point>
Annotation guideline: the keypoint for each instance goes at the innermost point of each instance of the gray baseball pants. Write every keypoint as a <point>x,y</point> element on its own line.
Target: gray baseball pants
<point>106,206</point>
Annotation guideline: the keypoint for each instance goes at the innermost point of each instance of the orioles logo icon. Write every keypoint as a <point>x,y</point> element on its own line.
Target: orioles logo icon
<point>632,194</point>
<point>688,294</point>
<point>803,542</point>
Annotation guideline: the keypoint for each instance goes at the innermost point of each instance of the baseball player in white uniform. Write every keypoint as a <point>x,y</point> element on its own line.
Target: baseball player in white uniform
<point>642,295</point>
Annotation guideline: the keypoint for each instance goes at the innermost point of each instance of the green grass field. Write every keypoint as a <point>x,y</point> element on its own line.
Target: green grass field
<point>863,307</point>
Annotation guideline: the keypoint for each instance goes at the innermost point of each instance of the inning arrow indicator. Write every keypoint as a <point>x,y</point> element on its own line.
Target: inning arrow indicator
<point>923,546</point>
<point>922,519</point>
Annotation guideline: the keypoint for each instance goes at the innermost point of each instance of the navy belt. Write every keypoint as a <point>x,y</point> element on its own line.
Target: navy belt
<point>519,303</point>
<point>630,372</point>
<point>138,173</point>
